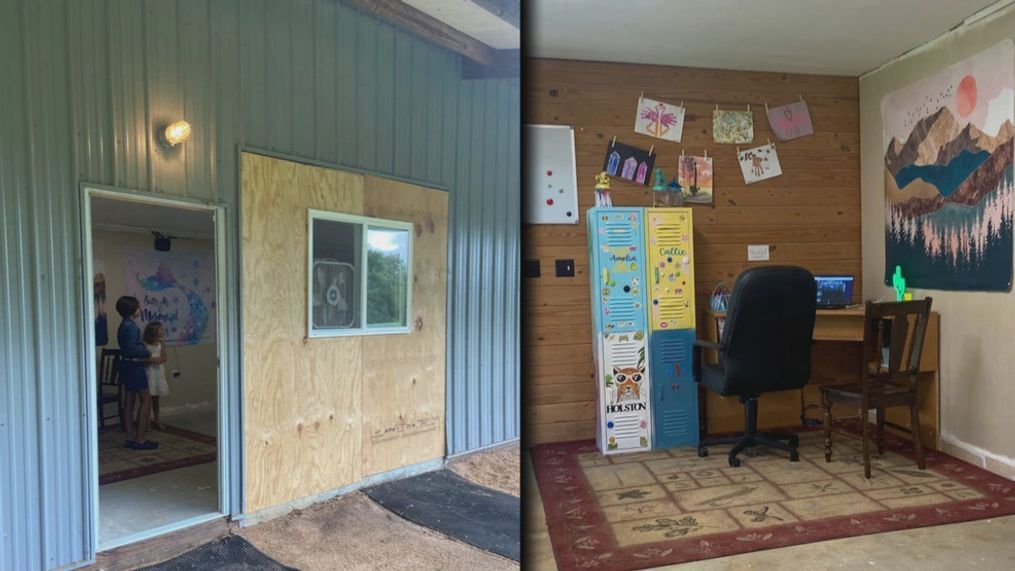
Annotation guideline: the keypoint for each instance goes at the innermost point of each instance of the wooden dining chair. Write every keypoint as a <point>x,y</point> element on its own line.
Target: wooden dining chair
<point>110,389</point>
<point>893,334</point>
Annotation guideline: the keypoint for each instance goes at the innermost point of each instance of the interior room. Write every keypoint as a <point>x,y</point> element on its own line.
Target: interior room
<point>163,256</point>
<point>767,267</point>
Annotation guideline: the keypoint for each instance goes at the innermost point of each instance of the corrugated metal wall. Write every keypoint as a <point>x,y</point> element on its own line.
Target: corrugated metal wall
<point>83,87</point>
<point>483,337</point>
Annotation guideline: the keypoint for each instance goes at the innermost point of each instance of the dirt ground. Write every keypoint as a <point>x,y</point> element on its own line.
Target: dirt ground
<point>497,468</point>
<point>353,532</point>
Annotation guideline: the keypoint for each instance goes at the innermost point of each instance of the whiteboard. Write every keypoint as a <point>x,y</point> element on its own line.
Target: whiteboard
<point>551,181</point>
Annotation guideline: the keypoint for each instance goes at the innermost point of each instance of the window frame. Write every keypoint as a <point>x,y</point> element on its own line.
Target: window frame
<point>365,223</point>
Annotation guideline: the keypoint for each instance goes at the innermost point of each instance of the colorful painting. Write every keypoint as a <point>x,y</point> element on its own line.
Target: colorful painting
<point>732,126</point>
<point>759,163</point>
<point>790,121</point>
<point>695,179</point>
<point>629,163</point>
<point>659,120</point>
<point>176,289</point>
<point>948,175</point>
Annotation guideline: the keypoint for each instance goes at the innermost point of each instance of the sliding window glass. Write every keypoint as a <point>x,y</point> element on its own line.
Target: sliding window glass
<point>360,275</point>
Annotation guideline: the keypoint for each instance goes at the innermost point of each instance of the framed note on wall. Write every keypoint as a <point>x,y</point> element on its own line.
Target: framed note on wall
<point>551,183</point>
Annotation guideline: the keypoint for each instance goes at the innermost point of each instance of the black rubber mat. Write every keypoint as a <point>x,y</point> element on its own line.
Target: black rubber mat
<point>445,502</point>
<point>232,553</point>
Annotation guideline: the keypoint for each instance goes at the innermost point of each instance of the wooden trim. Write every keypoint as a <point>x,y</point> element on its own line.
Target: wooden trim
<point>506,63</point>
<point>163,547</point>
<point>427,27</point>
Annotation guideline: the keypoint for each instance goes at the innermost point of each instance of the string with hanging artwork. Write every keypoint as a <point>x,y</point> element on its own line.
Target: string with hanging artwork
<point>790,121</point>
<point>759,163</point>
<point>629,163</point>
<point>659,120</point>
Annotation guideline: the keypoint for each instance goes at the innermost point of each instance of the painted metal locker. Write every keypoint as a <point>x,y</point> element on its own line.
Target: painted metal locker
<point>671,268</point>
<point>670,245</point>
<point>617,282</point>
<point>674,392</point>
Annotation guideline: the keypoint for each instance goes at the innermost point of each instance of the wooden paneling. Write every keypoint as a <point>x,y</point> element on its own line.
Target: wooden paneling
<point>403,383</point>
<point>810,215</point>
<point>323,413</point>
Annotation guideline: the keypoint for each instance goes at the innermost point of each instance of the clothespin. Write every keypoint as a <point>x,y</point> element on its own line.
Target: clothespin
<point>716,106</point>
<point>748,106</point>
<point>769,140</point>
<point>738,150</point>
<point>650,149</point>
<point>706,153</point>
<point>614,143</point>
<point>801,97</point>
<point>766,107</point>
<point>681,153</point>
<point>642,95</point>
<point>681,103</point>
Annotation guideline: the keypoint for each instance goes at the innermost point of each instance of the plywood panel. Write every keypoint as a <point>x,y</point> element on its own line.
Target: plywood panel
<point>312,424</point>
<point>404,383</point>
<point>810,215</point>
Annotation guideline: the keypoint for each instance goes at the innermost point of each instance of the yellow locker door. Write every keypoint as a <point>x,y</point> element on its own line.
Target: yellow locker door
<point>671,268</point>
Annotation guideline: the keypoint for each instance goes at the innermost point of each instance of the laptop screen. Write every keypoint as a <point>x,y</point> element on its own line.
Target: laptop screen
<point>834,290</point>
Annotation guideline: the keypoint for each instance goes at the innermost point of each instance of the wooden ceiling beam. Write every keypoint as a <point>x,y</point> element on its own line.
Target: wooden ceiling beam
<point>427,27</point>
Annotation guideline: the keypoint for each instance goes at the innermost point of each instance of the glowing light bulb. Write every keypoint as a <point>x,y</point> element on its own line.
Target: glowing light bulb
<point>176,133</point>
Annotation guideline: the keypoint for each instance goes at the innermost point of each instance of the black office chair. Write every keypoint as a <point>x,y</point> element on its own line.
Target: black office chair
<point>765,347</point>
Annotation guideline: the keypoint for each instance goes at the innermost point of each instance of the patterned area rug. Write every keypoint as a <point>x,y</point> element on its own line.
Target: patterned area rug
<point>178,448</point>
<point>648,509</point>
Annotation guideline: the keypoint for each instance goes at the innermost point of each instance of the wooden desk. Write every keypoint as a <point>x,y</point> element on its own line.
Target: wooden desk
<point>835,358</point>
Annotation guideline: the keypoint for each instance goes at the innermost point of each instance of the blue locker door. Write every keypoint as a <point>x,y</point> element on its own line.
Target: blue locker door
<point>674,392</point>
<point>620,267</point>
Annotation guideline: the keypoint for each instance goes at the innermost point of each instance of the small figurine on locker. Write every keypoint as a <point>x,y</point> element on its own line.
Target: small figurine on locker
<point>603,190</point>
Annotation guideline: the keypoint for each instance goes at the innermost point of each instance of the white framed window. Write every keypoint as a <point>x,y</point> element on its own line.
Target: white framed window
<point>359,275</point>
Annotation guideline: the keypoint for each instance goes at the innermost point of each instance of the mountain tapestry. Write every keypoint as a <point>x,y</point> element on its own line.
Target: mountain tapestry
<point>948,175</point>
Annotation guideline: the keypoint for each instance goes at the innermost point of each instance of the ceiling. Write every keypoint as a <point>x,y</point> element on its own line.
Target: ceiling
<point>145,217</point>
<point>830,37</point>
<point>468,17</point>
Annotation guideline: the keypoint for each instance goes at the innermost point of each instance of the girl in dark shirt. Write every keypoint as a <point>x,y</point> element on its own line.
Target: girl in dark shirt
<point>133,358</point>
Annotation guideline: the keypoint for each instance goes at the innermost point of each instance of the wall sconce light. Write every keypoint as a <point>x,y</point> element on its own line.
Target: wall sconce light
<point>175,133</point>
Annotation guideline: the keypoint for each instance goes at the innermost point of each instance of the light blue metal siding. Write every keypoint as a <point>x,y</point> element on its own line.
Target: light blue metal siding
<point>483,333</point>
<point>83,87</point>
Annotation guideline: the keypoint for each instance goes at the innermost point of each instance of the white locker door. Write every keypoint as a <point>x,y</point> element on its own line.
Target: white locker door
<point>625,408</point>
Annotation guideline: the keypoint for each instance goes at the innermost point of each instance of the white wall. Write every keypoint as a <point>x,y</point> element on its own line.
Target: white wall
<point>195,387</point>
<point>977,329</point>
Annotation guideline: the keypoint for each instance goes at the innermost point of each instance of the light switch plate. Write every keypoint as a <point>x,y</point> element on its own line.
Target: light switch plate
<point>757,252</point>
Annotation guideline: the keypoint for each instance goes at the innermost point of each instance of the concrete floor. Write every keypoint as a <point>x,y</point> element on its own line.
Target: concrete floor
<point>985,544</point>
<point>140,504</point>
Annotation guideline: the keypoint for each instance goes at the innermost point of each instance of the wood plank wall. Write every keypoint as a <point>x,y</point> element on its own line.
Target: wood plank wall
<point>810,215</point>
<point>323,413</point>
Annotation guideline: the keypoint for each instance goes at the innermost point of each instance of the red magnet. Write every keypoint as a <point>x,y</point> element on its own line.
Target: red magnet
<point>549,201</point>
<point>549,173</point>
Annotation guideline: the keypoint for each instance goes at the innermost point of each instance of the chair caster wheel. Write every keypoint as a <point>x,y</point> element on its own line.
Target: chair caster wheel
<point>702,452</point>
<point>794,456</point>
<point>734,462</point>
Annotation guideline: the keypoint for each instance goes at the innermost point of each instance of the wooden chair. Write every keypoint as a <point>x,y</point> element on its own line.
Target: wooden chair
<point>888,382</point>
<point>110,389</point>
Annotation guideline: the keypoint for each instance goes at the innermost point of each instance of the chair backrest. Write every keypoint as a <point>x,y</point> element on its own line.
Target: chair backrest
<point>768,333</point>
<point>899,327</point>
<point>109,367</point>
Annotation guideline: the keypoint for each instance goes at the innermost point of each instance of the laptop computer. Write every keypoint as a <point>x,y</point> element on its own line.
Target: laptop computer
<point>834,292</point>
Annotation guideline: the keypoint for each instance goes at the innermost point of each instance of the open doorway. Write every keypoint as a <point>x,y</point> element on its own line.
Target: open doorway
<point>158,415</point>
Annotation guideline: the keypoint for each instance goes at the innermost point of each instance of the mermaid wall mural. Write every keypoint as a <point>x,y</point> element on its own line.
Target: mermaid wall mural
<point>175,288</point>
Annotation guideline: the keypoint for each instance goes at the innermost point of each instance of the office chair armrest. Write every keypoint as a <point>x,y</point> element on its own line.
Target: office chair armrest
<point>696,360</point>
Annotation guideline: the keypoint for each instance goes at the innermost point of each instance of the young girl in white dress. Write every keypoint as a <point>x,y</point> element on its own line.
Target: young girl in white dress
<point>157,385</point>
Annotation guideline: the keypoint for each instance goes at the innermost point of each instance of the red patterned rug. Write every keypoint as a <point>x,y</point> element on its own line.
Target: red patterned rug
<point>643,510</point>
<point>178,448</point>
